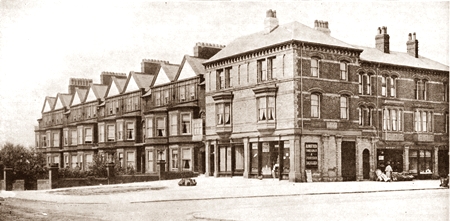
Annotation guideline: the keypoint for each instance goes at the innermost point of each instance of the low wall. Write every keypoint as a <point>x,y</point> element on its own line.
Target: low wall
<point>18,185</point>
<point>43,184</point>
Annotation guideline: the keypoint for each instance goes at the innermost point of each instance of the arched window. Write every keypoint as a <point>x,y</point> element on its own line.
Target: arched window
<point>315,67</point>
<point>344,107</point>
<point>344,70</point>
<point>315,105</point>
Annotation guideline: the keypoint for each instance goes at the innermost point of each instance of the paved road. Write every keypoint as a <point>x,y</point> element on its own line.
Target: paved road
<point>239,199</point>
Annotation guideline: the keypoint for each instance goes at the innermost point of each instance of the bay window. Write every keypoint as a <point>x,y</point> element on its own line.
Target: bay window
<point>174,155</point>
<point>223,114</point>
<point>130,131</point>
<point>119,130</point>
<point>101,133</point>
<point>266,110</point>
<point>160,127</point>
<point>173,124</point>
<point>88,135</point>
<point>186,123</point>
<point>111,131</point>
<point>186,159</point>
<point>149,127</point>
<point>55,139</point>
<point>73,137</point>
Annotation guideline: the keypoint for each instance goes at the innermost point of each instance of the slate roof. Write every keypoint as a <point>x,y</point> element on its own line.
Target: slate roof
<point>51,101</point>
<point>171,70</point>
<point>99,90</point>
<point>120,83</point>
<point>142,80</point>
<point>283,33</point>
<point>400,58</point>
<point>81,93</point>
<point>196,64</point>
<point>66,99</point>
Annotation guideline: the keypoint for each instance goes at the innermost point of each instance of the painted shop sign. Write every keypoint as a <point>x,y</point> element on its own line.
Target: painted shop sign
<point>265,147</point>
<point>311,158</point>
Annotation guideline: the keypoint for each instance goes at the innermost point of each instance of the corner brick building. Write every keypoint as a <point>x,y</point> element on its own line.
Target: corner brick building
<point>289,100</point>
<point>292,99</point>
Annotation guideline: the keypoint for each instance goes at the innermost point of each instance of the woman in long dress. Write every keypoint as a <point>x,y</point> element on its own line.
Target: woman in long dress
<point>388,171</point>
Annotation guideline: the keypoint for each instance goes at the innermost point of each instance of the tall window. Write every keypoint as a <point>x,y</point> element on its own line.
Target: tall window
<point>160,127</point>
<point>423,121</point>
<point>173,124</point>
<point>174,159</point>
<point>400,120</point>
<point>392,86</point>
<point>192,90</point>
<point>420,90</point>
<point>265,69</point>
<point>157,98</point>
<point>55,139</point>
<point>365,116</point>
<point>344,70</point>
<point>228,77</point>
<point>150,161</point>
<point>386,120</point>
<point>111,132</point>
<point>314,67</point>
<point>101,133</point>
<point>344,107</point>
<point>88,135</point>
<point>446,91</point>
<point>186,123</point>
<point>182,92</point>
<point>130,131</point>
<point>394,119</point>
<point>383,85</point>
<point>120,130</point>
<point>315,106</point>
<point>80,135</point>
<point>186,157</point>
<point>130,160</point>
<point>166,96</point>
<point>266,108</point>
<point>223,114</point>
<point>220,77</point>
<point>66,137</point>
<point>73,137</point>
<point>149,127</point>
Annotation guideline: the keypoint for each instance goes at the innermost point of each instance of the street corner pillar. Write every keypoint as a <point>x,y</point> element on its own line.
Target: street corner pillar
<point>322,167</point>
<point>216,158</point>
<point>339,157</point>
<point>406,159</point>
<point>207,158</point>
<point>297,165</point>
<point>435,165</point>
<point>246,157</point>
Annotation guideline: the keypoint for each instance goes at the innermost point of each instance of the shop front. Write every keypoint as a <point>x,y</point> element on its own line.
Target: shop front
<point>268,157</point>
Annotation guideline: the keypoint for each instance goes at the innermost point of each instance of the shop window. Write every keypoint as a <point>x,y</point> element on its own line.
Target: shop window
<point>425,163</point>
<point>286,157</point>
<point>315,106</point>
<point>187,158</point>
<point>254,157</point>
<point>315,67</point>
<point>344,70</point>
<point>311,150</point>
<point>224,158</point>
<point>239,157</point>
<point>111,132</point>
<point>266,110</point>
<point>186,123</point>
<point>130,131</point>
<point>160,127</point>
<point>88,135</point>
<point>344,107</point>
<point>174,164</point>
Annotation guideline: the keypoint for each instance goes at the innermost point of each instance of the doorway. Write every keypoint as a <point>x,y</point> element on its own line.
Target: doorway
<point>348,161</point>
<point>366,164</point>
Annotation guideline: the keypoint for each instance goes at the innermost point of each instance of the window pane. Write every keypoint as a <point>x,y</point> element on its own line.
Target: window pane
<point>314,105</point>
<point>262,108</point>
<point>343,107</point>
<point>227,114</point>
<point>186,123</point>
<point>271,108</point>
<point>173,124</point>
<point>314,67</point>
<point>149,127</point>
<point>394,119</point>
<point>220,113</point>
<point>130,131</point>
<point>160,127</point>
<point>424,121</point>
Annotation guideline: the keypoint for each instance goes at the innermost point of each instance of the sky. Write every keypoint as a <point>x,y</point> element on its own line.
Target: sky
<point>44,43</point>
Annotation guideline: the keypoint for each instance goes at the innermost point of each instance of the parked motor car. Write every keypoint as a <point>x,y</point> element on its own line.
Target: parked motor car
<point>187,182</point>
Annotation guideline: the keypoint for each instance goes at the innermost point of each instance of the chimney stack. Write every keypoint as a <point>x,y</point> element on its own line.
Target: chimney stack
<point>322,26</point>
<point>78,83</point>
<point>206,50</point>
<point>151,66</point>
<point>106,77</point>
<point>412,45</point>
<point>382,40</point>
<point>271,21</point>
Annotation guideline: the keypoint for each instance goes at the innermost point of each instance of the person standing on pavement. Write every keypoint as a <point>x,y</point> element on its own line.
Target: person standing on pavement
<point>388,171</point>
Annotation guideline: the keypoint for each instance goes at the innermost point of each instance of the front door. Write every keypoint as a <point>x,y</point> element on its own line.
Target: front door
<point>348,161</point>
<point>366,164</point>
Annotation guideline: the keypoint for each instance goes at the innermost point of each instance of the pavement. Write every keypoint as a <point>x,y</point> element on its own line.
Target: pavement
<point>208,188</point>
